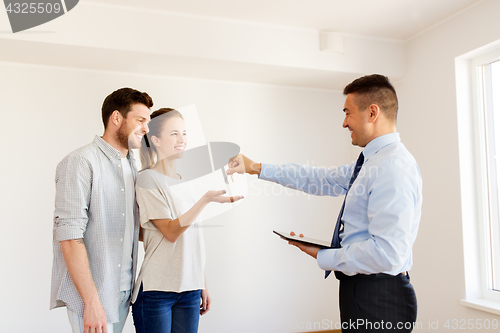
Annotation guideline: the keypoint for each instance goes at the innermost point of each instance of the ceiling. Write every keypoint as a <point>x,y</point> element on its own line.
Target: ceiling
<point>391,19</point>
<point>260,41</point>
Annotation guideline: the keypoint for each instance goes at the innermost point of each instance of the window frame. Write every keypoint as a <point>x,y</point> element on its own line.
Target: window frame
<point>474,178</point>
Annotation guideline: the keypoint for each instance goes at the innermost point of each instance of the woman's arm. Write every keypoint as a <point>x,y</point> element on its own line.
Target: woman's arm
<point>173,229</point>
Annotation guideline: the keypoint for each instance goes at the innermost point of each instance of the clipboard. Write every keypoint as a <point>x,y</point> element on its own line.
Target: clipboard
<point>304,240</point>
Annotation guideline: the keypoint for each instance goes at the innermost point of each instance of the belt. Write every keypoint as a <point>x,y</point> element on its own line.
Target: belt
<point>342,276</point>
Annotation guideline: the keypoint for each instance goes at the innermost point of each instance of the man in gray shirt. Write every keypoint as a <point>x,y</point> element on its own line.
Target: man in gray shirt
<point>96,222</point>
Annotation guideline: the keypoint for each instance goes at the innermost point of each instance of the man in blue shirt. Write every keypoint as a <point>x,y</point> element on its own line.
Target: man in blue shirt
<point>371,250</point>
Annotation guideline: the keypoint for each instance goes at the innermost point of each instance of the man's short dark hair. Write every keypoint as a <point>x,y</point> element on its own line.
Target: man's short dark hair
<point>122,100</point>
<point>374,89</point>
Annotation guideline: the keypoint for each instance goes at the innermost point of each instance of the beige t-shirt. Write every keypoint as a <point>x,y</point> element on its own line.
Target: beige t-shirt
<point>168,266</point>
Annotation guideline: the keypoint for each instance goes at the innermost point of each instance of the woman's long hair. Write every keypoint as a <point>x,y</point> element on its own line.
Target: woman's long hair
<point>147,152</point>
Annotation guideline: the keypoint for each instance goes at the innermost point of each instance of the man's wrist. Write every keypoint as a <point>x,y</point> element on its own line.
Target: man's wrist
<point>91,300</point>
<point>255,168</point>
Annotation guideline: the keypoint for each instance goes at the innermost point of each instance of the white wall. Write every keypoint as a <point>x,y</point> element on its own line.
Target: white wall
<point>258,283</point>
<point>428,126</point>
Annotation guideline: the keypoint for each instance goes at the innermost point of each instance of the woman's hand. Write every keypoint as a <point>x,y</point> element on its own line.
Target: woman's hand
<point>206,301</point>
<point>218,196</point>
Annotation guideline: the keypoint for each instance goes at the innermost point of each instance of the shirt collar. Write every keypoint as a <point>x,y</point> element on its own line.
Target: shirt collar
<point>107,149</point>
<point>380,142</point>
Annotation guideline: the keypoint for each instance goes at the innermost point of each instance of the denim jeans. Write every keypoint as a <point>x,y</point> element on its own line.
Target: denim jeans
<point>166,312</point>
<point>76,321</point>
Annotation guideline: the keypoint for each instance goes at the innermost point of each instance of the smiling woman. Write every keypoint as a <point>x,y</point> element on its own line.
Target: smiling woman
<point>149,152</point>
<point>171,283</point>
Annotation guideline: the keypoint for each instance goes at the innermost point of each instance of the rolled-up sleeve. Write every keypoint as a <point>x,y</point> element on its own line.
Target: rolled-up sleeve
<point>73,190</point>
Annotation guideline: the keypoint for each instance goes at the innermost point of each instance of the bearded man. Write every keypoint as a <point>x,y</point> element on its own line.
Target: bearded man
<point>96,222</point>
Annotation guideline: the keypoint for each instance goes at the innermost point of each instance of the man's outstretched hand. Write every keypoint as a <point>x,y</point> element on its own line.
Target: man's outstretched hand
<point>242,164</point>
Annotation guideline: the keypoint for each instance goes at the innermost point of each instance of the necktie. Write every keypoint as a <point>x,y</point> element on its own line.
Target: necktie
<point>336,233</point>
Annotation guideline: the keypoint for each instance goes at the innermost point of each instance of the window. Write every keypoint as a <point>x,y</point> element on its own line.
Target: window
<point>478,104</point>
<point>489,98</point>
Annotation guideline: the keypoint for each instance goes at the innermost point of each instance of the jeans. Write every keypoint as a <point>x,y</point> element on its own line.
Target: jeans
<point>166,312</point>
<point>77,324</point>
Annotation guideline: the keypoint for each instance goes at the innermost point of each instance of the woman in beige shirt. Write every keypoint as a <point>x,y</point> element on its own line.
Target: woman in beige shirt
<point>170,292</point>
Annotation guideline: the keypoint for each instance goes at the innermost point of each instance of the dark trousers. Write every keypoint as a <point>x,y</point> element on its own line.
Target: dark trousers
<point>377,303</point>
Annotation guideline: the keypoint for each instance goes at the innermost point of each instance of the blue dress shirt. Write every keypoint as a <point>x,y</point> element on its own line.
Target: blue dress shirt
<point>382,210</point>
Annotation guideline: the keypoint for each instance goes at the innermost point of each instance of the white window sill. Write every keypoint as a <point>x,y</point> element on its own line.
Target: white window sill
<point>482,304</point>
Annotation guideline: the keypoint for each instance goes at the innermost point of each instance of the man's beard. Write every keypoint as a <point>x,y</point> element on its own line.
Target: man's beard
<point>122,136</point>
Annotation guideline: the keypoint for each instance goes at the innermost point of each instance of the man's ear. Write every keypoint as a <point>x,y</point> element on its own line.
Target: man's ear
<point>374,112</point>
<point>116,118</point>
